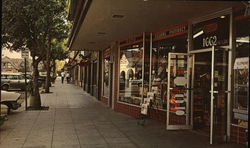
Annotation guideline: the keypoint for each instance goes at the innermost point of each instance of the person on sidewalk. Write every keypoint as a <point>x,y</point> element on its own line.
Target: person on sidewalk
<point>62,76</point>
<point>68,77</point>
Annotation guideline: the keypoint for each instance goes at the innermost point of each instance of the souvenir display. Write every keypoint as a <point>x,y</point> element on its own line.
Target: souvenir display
<point>241,100</point>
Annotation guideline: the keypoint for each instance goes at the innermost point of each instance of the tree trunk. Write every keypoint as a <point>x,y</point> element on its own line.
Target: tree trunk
<point>47,83</point>
<point>36,100</point>
<point>54,70</point>
<point>48,69</point>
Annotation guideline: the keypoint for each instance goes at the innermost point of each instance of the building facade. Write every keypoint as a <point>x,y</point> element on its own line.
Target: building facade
<point>194,73</point>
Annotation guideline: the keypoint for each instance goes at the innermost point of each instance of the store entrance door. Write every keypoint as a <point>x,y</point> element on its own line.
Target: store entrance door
<point>219,95</point>
<point>179,103</point>
<point>211,95</point>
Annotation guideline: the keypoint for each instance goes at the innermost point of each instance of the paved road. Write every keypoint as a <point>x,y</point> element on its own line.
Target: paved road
<point>76,120</point>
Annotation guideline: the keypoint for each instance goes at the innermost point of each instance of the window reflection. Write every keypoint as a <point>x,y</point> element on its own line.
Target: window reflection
<point>106,77</point>
<point>131,74</point>
<point>160,50</point>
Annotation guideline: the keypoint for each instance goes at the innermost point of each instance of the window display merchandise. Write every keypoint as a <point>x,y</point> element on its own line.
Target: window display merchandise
<point>131,58</point>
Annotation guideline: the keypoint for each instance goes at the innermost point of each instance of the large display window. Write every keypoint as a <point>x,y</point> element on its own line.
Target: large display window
<point>241,69</point>
<point>172,41</point>
<point>131,71</point>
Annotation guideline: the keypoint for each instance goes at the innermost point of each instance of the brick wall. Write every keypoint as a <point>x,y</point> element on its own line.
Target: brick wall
<point>135,111</point>
<point>158,115</point>
<point>104,100</point>
<point>238,135</point>
<point>175,119</point>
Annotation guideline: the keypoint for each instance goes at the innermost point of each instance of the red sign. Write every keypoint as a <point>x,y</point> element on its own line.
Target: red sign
<point>210,27</point>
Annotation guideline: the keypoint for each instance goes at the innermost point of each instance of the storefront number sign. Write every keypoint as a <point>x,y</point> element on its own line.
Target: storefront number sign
<point>210,33</point>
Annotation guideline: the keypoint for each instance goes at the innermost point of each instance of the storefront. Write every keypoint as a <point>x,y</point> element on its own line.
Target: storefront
<point>212,48</point>
<point>197,73</point>
<point>239,122</point>
<point>107,70</point>
<point>191,82</point>
<point>88,73</point>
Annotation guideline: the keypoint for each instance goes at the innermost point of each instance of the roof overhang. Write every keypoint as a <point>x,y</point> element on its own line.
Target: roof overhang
<point>106,21</point>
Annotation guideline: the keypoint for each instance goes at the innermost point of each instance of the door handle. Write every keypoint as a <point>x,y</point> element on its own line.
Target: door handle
<point>216,92</point>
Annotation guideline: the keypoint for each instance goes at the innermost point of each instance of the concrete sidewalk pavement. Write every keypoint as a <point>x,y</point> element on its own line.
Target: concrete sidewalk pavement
<point>77,120</point>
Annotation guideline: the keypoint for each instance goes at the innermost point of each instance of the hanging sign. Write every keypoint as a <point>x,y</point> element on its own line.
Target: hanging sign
<point>241,63</point>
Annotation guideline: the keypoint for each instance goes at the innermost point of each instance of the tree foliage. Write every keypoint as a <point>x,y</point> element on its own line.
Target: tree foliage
<point>59,50</point>
<point>32,25</point>
<point>27,24</point>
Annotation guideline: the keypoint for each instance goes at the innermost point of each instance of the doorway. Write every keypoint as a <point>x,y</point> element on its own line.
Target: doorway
<point>211,81</point>
<point>179,106</point>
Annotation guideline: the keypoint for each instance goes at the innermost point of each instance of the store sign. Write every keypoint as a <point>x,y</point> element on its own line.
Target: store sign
<point>210,27</point>
<point>211,33</point>
<point>172,32</point>
<point>241,63</point>
<point>209,41</point>
<point>25,54</point>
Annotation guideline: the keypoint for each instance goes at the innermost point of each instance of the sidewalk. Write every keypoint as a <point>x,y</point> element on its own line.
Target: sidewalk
<point>77,120</point>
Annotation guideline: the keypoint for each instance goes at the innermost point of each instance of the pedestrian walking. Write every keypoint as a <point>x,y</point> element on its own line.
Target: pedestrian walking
<point>68,77</point>
<point>62,76</point>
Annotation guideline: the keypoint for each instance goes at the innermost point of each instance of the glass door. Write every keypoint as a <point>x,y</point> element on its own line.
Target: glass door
<point>179,103</point>
<point>219,95</point>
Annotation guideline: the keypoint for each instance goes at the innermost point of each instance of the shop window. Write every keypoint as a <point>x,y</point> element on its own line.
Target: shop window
<point>160,50</point>
<point>241,71</point>
<point>106,77</point>
<point>8,65</point>
<point>131,58</point>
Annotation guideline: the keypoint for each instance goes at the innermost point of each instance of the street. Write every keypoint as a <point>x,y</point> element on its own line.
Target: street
<point>77,120</point>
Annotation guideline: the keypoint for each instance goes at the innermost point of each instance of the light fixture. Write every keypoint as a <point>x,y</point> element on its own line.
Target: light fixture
<point>198,34</point>
<point>242,39</point>
<point>223,16</point>
<point>133,49</point>
<point>118,16</point>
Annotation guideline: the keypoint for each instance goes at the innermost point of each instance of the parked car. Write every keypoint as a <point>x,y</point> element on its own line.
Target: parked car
<point>11,99</point>
<point>13,81</point>
<point>43,75</point>
<point>30,77</point>
<point>4,110</point>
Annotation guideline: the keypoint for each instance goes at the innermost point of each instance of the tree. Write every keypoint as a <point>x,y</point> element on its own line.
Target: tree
<point>58,52</point>
<point>58,31</point>
<point>29,24</point>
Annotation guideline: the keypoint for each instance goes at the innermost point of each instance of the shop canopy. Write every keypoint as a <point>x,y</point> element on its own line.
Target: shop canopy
<point>98,23</point>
